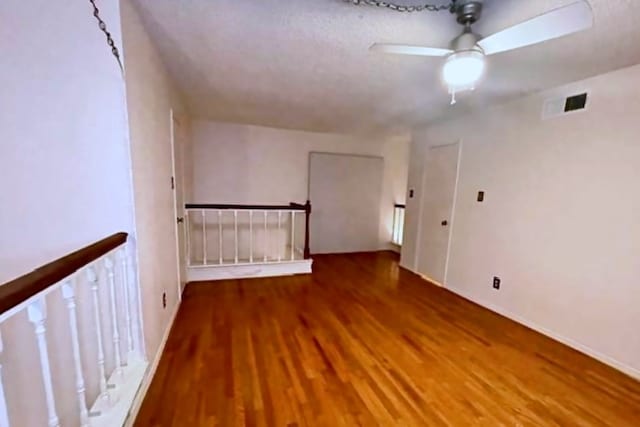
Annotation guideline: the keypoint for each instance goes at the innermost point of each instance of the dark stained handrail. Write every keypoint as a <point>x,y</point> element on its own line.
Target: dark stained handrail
<point>21,289</point>
<point>290,207</point>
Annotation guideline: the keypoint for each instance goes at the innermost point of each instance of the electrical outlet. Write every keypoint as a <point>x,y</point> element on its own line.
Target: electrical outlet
<point>164,300</point>
<point>496,283</point>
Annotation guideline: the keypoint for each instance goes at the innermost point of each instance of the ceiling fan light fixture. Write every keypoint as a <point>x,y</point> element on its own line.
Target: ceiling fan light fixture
<point>463,70</point>
<point>465,64</point>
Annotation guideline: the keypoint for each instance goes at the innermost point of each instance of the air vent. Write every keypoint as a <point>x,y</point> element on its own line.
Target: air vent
<point>574,103</point>
<point>560,106</point>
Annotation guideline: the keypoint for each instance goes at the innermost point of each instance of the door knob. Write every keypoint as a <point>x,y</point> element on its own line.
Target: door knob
<point>180,220</point>
<point>444,223</point>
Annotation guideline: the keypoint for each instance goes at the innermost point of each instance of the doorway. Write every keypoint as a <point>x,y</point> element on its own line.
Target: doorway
<point>345,192</point>
<point>178,140</point>
<point>439,184</point>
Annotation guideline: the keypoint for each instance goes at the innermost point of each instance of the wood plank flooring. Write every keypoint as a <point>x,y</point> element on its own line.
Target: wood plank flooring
<point>363,342</point>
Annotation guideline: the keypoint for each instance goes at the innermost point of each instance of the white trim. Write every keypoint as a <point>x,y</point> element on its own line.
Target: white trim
<point>115,412</point>
<point>174,191</point>
<point>242,271</point>
<point>453,214</point>
<point>151,371</point>
<point>607,360</point>
<point>416,252</point>
<point>416,249</point>
<point>428,279</point>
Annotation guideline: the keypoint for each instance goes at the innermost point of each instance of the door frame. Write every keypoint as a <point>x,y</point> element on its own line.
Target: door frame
<point>416,254</point>
<point>176,208</point>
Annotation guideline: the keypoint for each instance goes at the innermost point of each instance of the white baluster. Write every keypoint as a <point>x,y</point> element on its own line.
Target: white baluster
<point>251,236</point>
<point>111,281</point>
<point>4,414</point>
<point>187,225</point>
<point>93,280</point>
<point>279,234</point>
<point>36,312</point>
<point>235,228</point>
<point>69,296</point>
<point>204,237</point>
<point>137,324</point>
<point>124,263</point>
<point>266,240</point>
<point>293,233</point>
<point>220,236</point>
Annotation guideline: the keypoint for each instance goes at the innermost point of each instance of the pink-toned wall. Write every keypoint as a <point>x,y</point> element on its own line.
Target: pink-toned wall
<point>66,179</point>
<point>151,98</point>
<point>64,155</point>
<point>559,223</point>
<point>243,164</point>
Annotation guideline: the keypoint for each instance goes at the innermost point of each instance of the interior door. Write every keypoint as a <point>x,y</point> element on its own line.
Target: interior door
<point>177,150</point>
<point>345,193</point>
<point>438,194</point>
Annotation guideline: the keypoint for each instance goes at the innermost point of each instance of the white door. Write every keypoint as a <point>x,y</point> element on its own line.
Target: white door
<point>177,145</point>
<point>345,192</point>
<point>438,194</point>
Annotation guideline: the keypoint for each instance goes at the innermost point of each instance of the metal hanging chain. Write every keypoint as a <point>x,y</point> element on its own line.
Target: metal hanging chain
<point>404,8</point>
<point>103,28</point>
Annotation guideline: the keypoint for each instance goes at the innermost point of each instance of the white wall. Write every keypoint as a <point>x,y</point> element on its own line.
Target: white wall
<point>258,165</point>
<point>559,223</point>
<point>151,97</point>
<point>66,174</point>
<point>64,156</point>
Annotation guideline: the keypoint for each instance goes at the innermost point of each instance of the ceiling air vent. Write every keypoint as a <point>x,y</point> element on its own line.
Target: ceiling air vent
<point>556,107</point>
<point>574,103</point>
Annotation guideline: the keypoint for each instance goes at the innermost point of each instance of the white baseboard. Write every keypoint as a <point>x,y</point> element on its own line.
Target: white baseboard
<point>390,247</point>
<point>151,371</point>
<point>244,271</point>
<point>115,411</point>
<point>607,360</point>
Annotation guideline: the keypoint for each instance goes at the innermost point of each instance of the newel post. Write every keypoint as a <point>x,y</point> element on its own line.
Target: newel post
<point>307,211</point>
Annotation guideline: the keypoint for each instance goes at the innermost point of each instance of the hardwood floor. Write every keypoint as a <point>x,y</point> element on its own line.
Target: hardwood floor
<point>363,342</point>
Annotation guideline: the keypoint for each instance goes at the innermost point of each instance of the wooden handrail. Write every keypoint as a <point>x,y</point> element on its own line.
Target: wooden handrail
<point>21,289</point>
<point>290,207</point>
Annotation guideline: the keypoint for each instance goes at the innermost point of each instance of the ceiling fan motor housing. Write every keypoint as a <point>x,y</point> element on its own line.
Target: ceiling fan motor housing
<point>468,11</point>
<point>468,40</point>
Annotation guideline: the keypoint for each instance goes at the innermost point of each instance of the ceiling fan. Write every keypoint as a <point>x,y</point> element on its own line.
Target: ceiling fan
<point>465,58</point>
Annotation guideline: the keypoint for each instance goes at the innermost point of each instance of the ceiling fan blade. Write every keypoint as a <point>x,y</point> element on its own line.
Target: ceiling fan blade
<point>551,25</point>
<point>409,50</point>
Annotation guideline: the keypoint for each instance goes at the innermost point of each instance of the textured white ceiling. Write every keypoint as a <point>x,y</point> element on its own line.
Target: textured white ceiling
<point>305,64</point>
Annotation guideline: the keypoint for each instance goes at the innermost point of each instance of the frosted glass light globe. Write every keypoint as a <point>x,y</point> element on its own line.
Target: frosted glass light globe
<point>463,70</point>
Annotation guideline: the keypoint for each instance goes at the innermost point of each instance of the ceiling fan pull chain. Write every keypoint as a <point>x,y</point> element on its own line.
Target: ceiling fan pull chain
<point>403,8</point>
<point>103,28</point>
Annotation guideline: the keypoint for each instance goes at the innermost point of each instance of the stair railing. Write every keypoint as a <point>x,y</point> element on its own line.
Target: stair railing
<point>86,329</point>
<point>229,234</point>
